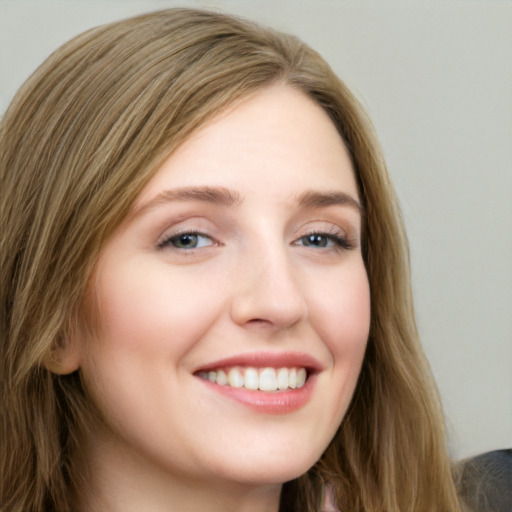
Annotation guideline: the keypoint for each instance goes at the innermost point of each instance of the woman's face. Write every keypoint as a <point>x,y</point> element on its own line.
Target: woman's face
<point>240,268</point>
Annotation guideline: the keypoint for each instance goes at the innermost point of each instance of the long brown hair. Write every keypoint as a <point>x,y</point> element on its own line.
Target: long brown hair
<point>79,141</point>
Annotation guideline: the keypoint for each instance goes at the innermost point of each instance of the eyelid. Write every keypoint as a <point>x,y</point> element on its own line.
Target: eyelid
<point>339,236</point>
<point>164,241</point>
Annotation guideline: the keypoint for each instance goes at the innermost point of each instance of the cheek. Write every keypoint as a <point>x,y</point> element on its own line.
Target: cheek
<point>344,312</point>
<point>343,321</point>
<point>149,321</point>
<point>152,310</point>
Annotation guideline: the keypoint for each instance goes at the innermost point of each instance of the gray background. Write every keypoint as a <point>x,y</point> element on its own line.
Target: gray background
<point>436,78</point>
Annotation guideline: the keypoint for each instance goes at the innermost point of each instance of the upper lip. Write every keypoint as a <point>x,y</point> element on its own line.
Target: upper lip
<point>267,359</point>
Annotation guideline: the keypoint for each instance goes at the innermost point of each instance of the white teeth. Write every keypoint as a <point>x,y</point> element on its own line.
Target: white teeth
<point>282,378</point>
<point>301,377</point>
<point>235,378</point>
<point>268,380</point>
<point>292,378</point>
<point>222,378</point>
<point>251,378</point>
<point>264,379</point>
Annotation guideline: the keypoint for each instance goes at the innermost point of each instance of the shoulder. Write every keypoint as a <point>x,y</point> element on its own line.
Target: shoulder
<point>486,481</point>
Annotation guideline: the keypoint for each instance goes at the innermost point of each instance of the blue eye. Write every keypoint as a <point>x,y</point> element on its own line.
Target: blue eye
<point>186,241</point>
<point>324,241</point>
<point>316,240</point>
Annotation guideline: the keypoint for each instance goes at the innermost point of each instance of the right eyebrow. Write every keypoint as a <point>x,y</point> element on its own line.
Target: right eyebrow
<point>213,195</point>
<point>322,199</point>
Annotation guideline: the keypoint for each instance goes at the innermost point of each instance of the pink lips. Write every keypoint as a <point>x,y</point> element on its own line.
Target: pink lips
<point>278,402</point>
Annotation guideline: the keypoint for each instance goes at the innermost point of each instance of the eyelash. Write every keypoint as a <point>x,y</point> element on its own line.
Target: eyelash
<point>339,241</point>
<point>167,242</point>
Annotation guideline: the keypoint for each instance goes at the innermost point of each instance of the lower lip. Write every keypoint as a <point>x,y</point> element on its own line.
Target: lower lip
<point>268,402</point>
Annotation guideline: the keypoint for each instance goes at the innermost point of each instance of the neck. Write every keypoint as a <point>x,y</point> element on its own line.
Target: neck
<point>123,481</point>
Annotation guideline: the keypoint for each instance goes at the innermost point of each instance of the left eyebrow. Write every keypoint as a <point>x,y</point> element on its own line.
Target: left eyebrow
<point>320,199</point>
<point>213,195</point>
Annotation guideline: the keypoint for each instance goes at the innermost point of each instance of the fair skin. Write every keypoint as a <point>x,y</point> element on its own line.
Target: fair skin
<point>242,253</point>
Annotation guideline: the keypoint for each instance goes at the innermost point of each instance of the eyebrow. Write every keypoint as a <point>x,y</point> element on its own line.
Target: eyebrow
<point>213,195</point>
<point>318,199</point>
<point>225,197</point>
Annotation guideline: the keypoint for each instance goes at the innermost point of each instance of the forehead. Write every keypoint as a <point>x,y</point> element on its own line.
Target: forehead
<point>278,139</point>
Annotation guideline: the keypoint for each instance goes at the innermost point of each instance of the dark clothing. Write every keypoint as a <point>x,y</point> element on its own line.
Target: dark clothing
<point>486,482</point>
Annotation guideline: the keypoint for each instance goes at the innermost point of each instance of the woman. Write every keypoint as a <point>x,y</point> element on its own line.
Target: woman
<point>206,289</point>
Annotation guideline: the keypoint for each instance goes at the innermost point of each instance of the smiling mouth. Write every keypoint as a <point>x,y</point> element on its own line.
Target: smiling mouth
<point>266,379</point>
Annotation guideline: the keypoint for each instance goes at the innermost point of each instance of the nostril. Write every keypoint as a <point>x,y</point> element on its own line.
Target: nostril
<point>258,321</point>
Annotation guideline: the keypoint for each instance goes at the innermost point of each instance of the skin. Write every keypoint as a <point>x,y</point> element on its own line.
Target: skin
<point>253,283</point>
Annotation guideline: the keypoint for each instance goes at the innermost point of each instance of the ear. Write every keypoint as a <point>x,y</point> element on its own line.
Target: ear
<point>64,357</point>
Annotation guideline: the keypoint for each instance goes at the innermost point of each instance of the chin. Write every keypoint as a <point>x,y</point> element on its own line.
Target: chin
<point>268,470</point>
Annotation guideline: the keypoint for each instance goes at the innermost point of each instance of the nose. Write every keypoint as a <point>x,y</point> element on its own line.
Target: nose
<point>267,292</point>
